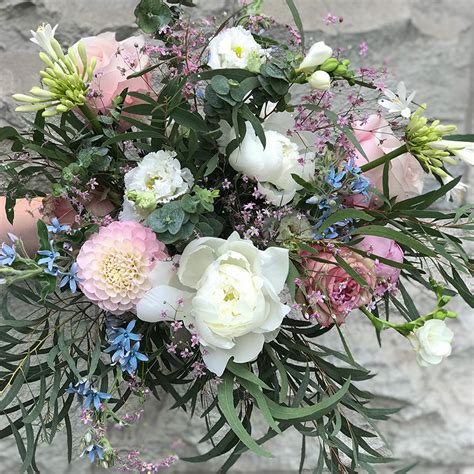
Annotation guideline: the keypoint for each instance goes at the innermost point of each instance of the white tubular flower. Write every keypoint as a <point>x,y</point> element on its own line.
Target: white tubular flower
<point>431,342</point>
<point>157,179</point>
<point>457,193</point>
<point>273,165</point>
<point>398,103</point>
<point>43,37</point>
<point>462,150</point>
<point>317,54</point>
<point>320,80</point>
<point>225,290</point>
<point>236,48</point>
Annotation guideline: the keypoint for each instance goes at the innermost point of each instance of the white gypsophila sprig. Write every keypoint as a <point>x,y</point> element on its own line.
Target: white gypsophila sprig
<point>398,103</point>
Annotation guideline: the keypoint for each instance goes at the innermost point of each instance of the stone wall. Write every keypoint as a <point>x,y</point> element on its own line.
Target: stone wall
<point>428,44</point>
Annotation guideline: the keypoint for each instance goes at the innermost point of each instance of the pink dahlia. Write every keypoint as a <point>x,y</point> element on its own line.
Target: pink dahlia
<point>114,264</point>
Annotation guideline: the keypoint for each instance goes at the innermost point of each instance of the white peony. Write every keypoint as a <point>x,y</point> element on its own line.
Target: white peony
<point>431,342</point>
<point>236,48</point>
<point>273,165</point>
<point>317,54</point>
<point>320,80</point>
<point>228,293</point>
<point>157,179</point>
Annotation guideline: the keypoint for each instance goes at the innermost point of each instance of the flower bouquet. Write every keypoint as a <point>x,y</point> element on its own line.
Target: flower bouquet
<point>188,211</point>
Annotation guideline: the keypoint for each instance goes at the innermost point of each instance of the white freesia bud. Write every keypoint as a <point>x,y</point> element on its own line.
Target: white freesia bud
<point>227,292</point>
<point>431,342</point>
<point>158,175</point>
<point>317,54</point>
<point>462,150</point>
<point>236,48</point>
<point>273,165</point>
<point>320,80</point>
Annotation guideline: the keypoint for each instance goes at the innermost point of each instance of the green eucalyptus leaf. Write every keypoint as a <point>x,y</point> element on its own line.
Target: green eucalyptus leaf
<point>151,15</point>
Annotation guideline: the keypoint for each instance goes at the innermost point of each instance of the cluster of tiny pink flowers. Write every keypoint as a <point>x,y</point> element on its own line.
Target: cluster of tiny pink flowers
<point>331,19</point>
<point>133,462</point>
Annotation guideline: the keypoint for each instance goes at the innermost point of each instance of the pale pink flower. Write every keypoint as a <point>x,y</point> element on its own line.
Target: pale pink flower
<point>406,175</point>
<point>113,266</point>
<point>385,248</point>
<point>115,61</point>
<point>342,293</point>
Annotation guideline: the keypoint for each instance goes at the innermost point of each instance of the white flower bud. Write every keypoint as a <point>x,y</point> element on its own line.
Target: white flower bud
<point>317,54</point>
<point>431,342</point>
<point>320,80</point>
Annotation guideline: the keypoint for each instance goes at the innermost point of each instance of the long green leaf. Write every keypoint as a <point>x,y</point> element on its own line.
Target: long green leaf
<point>225,398</point>
<point>401,238</point>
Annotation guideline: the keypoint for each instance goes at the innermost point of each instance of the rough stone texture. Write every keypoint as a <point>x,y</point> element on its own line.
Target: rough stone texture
<point>428,44</point>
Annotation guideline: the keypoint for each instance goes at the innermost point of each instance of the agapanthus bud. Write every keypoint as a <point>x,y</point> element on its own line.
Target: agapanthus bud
<point>421,142</point>
<point>66,81</point>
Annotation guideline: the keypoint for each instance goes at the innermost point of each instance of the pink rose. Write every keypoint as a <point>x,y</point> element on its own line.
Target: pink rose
<point>387,276</point>
<point>331,292</point>
<point>115,61</point>
<point>405,173</point>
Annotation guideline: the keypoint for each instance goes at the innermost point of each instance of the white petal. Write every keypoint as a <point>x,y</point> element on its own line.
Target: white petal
<point>275,266</point>
<point>402,91</point>
<point>161,303</point>
<point>216,360</point>
<point>406,112</point>
<point>197,256</point>
<point>247,347</point>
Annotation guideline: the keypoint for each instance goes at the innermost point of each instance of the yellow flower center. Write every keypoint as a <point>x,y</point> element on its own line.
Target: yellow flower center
<point>121,269</point>
<point>238,50</point>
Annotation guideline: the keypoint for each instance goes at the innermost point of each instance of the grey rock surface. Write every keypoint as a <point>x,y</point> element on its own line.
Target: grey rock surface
<point>429,45</point>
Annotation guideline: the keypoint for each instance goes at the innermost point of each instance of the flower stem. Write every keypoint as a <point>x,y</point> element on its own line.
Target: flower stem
<point>384,159</point>
<point>89,115</point>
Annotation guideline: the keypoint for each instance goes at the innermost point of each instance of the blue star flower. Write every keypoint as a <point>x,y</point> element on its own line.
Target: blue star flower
<point>56,227</point>
<point>360,185</point>
<point>335,179</point>
<point>92,451</point>
<point>351,167</point>
<point>7,254</point>
<point>130,361</point>
<point>123,336</point>
<point>95,397</point>
<point>81,388</point>
<point>49,256</point>
<point>70,278</point>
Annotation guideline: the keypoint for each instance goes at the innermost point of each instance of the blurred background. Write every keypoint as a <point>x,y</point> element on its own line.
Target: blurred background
<point>427,43</point>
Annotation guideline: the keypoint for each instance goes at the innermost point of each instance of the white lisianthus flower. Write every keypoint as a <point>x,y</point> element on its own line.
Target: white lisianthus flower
<point>462,150</point>
<point>226,291</point>
<point>157,179</point>
<point>320,80</point>
<point>236,48</point>
<point>273,165</point>
<point>317,54</point>
<point>43,36</point>
<point>431,342</point>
